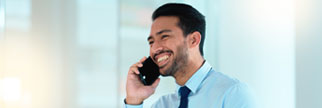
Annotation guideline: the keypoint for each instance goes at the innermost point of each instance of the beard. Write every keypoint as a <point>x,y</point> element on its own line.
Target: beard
<point>180,61</point>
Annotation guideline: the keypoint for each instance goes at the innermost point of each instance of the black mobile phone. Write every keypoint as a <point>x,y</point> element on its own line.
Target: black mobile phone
<point>149,72</point>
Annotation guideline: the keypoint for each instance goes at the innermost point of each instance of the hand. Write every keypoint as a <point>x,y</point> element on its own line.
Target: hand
<point>136,92</point>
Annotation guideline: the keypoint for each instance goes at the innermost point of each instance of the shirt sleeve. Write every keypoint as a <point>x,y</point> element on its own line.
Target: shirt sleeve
<point>133,106</point>
<point>239,96</point>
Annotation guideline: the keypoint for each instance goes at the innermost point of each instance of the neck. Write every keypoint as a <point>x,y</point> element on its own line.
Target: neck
<point>185,73</point>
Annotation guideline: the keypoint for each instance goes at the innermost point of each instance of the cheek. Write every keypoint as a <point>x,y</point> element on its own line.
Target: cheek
<point>173,44</point>
<point>150,52</point>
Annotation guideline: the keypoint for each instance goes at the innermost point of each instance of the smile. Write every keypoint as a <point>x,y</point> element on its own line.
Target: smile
<point>163,58</point>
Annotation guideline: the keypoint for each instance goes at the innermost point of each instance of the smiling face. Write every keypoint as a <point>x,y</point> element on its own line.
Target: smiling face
<point>168,46</point>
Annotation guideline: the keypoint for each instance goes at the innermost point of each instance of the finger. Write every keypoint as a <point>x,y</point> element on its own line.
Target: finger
<point>143,59</point>
<point>139,64</point>
<point>135,70</point>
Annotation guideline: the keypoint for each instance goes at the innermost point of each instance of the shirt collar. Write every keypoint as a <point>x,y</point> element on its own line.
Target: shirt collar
<point>194,82</point>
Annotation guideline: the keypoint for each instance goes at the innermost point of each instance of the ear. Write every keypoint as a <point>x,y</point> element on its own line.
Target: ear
<point>194,39</point>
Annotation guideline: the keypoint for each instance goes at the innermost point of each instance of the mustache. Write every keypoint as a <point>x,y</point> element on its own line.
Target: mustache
<point>162,51</point>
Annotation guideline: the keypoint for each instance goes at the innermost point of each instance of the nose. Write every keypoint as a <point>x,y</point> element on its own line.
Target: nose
<point>156,48</point>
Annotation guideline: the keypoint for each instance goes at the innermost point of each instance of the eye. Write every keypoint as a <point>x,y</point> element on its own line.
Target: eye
<point>151,42</point>
<point>164,36</point>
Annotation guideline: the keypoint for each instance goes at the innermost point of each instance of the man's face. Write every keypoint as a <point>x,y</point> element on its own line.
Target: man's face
<point>168,46</point>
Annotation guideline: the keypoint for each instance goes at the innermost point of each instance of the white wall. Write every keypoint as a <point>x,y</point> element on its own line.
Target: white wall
<point>97,44</point>
<point>254,42</point>
<point>309,54</point>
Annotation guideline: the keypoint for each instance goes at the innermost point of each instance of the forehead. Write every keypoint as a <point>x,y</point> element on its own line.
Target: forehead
<point>164,23</point>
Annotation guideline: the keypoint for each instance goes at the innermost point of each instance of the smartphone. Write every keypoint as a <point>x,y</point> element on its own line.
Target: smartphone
<point>149,72</point>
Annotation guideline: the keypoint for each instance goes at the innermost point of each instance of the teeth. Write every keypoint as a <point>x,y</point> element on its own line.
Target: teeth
<point>163,58</point>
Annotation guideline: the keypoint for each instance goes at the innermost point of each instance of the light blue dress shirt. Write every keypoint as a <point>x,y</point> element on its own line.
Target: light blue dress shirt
<point>209,89</point>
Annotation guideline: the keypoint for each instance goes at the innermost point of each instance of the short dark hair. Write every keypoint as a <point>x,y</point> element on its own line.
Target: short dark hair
<point>190,19</point>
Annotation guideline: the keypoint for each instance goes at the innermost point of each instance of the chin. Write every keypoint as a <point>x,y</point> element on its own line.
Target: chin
<point>162,71</point>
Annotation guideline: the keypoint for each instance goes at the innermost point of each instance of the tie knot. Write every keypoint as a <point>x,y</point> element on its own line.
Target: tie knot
<point>184,91</point>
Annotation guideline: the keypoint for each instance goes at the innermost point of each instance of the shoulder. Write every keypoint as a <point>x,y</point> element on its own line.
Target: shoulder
<point>239,95</point>
<point>225,83</point>
<point>238,90</point>
<point>219,81</point>
<point>232,92</point>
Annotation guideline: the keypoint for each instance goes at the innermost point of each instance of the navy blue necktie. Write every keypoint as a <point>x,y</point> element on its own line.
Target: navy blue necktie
<point>184,93</point>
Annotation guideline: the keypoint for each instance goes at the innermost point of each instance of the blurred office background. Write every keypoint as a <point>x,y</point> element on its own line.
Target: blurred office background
<point>76,53</point>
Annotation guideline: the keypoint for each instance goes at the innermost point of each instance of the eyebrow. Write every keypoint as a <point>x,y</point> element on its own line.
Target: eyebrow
<point>160,32</point>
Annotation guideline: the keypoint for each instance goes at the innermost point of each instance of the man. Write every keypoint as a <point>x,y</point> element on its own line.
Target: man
<point>176,46</point>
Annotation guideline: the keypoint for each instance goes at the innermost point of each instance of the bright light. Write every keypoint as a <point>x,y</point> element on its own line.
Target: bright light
<point>11,89</point>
